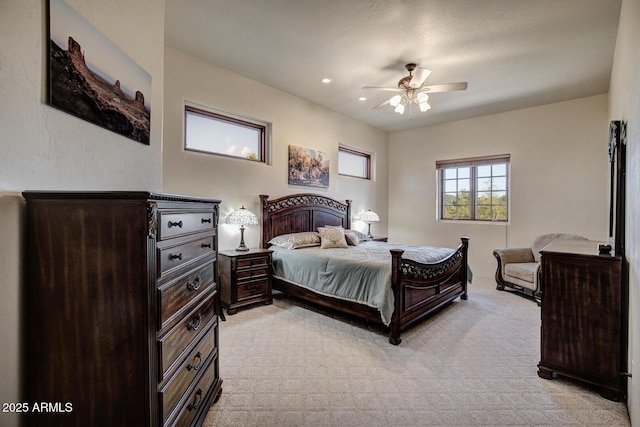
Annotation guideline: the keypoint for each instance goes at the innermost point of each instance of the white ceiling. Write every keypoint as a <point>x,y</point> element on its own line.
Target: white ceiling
<point>514,53</point>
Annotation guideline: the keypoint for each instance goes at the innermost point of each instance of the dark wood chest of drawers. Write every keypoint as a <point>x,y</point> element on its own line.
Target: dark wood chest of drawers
<point>245,278</point>
<point>584,316</point>
<point>121,308</point>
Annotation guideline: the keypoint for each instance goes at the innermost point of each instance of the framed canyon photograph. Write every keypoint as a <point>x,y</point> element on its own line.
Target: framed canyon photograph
<point>92,79</point>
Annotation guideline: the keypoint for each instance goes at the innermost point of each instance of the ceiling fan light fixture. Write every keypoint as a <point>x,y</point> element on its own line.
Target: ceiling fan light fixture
<point>412,90</point>
<point>424,106</point>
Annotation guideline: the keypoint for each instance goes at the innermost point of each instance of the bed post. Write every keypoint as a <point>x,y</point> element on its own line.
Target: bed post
<point>396,277</point>
<point>465,266</point>
<point>348,214</point>
<point>264,217</point>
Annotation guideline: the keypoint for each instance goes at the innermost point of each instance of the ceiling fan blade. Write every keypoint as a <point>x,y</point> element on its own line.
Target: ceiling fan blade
<point>446,87</point>
<point>390,89</point>
<point>420,74</point>
<point>382,104</point>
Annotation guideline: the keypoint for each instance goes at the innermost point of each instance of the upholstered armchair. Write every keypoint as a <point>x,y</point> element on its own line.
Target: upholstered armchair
<point>519,268</point>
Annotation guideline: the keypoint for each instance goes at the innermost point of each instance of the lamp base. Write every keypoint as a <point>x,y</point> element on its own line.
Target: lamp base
<point>242,247</point>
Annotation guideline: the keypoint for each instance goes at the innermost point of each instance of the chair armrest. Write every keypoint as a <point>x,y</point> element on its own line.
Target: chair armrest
<point>513,255</point>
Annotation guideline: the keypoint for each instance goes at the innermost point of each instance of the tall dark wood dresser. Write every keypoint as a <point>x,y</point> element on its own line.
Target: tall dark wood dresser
<point>584,312</point>
<point>121,309</point>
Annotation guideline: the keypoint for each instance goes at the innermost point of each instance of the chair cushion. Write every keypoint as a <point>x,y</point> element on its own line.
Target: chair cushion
<point>522,270</point>
<point>542,241</point>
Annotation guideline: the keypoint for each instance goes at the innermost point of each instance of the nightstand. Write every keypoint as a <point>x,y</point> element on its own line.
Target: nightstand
<point>379,239</point>
<point>245,278</point>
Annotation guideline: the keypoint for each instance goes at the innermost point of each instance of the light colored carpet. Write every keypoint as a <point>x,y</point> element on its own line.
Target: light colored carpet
<point>472,364</point>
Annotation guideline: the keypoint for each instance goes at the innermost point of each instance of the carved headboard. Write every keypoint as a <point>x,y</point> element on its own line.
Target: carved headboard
<point>301,212</point>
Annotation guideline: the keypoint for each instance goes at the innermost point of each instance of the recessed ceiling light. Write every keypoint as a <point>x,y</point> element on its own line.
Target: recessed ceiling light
<point>326,80</point>
<point>362,98</point>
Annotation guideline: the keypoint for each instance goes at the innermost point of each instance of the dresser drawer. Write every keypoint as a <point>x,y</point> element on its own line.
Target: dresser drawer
<point>179,224</point>
<point>173,390</point>
<point>175,296</point>
<point>178,339</point>
<point>252,289</point>
<point>172,257</point>
<point>197,397</point>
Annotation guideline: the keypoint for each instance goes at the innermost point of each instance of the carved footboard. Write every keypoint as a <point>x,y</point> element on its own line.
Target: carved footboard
<point>420,289</point>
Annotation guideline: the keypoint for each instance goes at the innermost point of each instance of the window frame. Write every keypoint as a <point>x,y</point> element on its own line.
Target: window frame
<point>368,157</point>
<point>473,163</point>
<point>264,129</point>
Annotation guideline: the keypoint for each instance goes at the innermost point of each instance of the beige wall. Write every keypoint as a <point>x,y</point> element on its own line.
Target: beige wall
<point>295,121</point>
<point>43,148</point>
<point>559,172</point>
<point>625,105</point>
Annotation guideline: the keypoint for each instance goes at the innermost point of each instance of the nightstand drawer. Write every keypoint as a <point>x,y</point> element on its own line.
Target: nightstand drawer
<point>173,390</point>
<point>254,262</point>
<point>179,338</point>
<point>243,275</point>
<point>180,224</point>
<point>177,295</point>
<point>171,257</point>
<point>252,289</point>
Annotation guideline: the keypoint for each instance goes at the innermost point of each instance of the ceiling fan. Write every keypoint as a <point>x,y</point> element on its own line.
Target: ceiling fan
<point>413,91</point>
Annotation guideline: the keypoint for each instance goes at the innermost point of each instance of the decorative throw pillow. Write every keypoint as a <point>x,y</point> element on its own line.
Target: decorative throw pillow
<point>362,237</point>
<point>332,238</point>
<point>296,240</point>
<point>351,237</point>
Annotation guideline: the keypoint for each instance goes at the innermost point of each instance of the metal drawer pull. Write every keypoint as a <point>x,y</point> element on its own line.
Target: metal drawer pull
<point>206,220</point>
<point>206,245</point>
<point>195,285</point>
<point>175,224</point>
<point>174,256</point>
<point>197,401</point>
<point>198,366</point>
<point>193,326</point>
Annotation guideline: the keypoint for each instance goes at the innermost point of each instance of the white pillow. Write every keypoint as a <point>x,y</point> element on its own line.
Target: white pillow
<point>332,238</point>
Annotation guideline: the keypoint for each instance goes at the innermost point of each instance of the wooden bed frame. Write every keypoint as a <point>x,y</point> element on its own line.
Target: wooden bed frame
<point>419,289</point>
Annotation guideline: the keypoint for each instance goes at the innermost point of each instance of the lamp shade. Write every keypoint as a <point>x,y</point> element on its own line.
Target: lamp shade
<point>370,216</point>
<point>242,216</point>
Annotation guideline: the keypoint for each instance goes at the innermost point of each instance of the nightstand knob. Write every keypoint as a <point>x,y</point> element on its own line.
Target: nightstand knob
<point>174,256</point>
<point>175,224</point>
<point>206,220</point>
